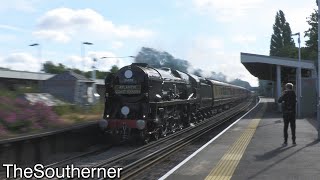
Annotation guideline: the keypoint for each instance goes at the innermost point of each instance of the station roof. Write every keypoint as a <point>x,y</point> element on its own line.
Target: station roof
<point>12,74</point>
<point>264,67</point>
<point>36,76</point>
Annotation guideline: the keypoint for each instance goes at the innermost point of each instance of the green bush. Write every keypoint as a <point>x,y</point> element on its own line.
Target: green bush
<point>68,109</point>
<point>7,93</point>
<point>63,109</point>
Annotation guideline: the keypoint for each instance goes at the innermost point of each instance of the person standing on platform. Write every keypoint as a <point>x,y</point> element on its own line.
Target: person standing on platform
<point>288,100</point>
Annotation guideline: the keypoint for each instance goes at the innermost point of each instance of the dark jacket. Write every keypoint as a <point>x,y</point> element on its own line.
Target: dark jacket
<point>288,100</point>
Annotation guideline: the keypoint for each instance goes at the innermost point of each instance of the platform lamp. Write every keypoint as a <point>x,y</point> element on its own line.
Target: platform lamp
<point>93,75</point>
<point>318,106</point>
<point>299,77</point>
<point>83,52</point>
<point>107,57</point>
<point>39,53</point>
<point>118,57</point>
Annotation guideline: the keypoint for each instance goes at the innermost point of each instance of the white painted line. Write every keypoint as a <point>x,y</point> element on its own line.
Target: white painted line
<point>205,145</point>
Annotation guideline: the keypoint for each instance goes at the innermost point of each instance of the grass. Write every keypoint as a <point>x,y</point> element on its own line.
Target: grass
<point>75,114</point>
<point>18,91</point>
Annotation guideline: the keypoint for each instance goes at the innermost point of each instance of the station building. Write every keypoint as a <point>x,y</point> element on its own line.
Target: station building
<point>278,71</point>
<point>68,86</point>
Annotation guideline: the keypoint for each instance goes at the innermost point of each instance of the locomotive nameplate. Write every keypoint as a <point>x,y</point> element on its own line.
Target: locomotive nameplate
<point>127,89</point>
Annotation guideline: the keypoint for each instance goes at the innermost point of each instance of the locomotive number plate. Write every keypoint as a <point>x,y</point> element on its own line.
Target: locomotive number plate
<point>127,89</point>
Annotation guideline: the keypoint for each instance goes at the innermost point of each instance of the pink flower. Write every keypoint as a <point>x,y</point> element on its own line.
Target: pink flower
<point>20,103</point>
<point>3,130</point>
<point>36,126</point>
<point>11,118</point>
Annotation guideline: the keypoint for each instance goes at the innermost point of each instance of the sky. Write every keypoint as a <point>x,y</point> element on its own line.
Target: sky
<point>210,34</point>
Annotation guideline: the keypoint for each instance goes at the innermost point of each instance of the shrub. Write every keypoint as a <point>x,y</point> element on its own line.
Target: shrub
<point>17,115</point>
<point>3,130</point>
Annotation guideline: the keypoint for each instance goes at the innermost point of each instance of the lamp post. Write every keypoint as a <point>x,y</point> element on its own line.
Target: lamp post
<point>318,108</point>
<point>299,77</point>
<point>83,52</point>
<point>118,57</point>
<point>39,53</point>
<point>105,57</point>
<point>93,75</point>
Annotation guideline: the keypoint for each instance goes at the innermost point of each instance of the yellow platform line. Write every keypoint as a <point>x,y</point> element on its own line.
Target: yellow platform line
<point>230,160</point>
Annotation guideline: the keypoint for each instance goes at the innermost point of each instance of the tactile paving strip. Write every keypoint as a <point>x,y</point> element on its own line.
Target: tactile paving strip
<point>230,160</point>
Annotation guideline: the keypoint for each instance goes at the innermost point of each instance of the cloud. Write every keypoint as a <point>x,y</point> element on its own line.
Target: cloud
<point>209,43</point>
<point>102,64</point>
<point>21,61</point>
<point>9,27</point>
<point>18,5</point>
<point>228,64</point>
<point>217,59</point>
<point>8,37</point>
<point>246,39</point>
<point>62,24</point>
<point>247,27</point>
<point>57,36</point>
<point>26,62</point>
<point>226,10</point>
<point>117,44</point>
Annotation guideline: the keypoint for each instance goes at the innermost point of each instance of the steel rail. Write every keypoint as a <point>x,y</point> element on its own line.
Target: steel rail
<point>137,166</point>
<point>62,162</point>
<point>122,156</point>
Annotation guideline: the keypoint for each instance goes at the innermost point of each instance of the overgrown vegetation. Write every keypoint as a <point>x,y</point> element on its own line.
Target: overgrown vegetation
<point>74,113</point>
<point>18,116</point>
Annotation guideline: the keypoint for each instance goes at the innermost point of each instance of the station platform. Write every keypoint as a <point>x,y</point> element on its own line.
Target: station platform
<point>252,148</point>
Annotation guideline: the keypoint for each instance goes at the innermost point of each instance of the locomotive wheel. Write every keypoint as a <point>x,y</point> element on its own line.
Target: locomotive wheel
<point>164,130</point>
<point>156,135</point>
<point>144,137</point>
<point>173,127</point>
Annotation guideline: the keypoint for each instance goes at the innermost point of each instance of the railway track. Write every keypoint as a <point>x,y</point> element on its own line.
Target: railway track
<point>137,160</point>
<point>82,155</point>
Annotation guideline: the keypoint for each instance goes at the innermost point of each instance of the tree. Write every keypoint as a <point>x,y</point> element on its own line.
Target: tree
<point>49,67</point>
<point>101,74</point>
<point>282,43</point>
<point>312,34</point>
<point>114,69</point>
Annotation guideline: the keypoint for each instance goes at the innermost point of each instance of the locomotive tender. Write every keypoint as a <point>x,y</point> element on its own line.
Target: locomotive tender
<point>149,103</point>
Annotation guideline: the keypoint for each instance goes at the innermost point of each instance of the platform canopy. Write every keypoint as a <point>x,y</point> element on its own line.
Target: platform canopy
<point>264,67</point>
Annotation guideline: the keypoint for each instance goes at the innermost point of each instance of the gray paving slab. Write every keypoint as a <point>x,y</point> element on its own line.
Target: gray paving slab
<point>201,164</point>
<point>264,158</point>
